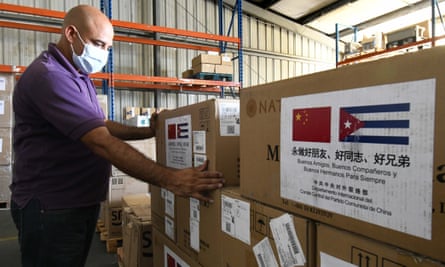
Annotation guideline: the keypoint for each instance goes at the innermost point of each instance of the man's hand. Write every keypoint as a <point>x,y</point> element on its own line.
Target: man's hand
<point>194,182</point>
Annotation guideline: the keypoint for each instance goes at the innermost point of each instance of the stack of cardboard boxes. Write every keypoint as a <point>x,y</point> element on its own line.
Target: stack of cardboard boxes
<point>122,185</point>
<point>210,64</point>
<point>358,150</point>
<point>337,168</point>
<point>222,233</point>
<point>137,116</point>
<point>7,81</point>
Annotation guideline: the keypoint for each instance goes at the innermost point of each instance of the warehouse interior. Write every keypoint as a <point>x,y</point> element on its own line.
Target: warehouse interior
<point>324,117</point>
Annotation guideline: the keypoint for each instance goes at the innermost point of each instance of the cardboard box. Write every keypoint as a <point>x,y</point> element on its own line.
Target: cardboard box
<point>121,186</point>
<point>147,111</point>
<point>336,247</point>
<point>224,69</point>
<point>166,253</point>
<point>137,229</point>
<point>238,253</point>
<point>138,121</point>
<point>7,83</point>
<point>199,225</point>
<point>206,59</point>
<point>204,68</point>
<point>145,146</point>
<point>130,112</point>
<point>164,211</point>
<point>6,118</point>
<point>5,146</point>
<point>187,73</point>
<point>189,135</point>
<point>113,220</point>
<point>367,201</point>
<point>103,103</point>
<point>226,59</point>
<point>5,181</point>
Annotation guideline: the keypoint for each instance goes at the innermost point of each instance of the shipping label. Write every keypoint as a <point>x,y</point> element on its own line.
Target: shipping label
<point>366,153</point>
<point>229,121</point>
<point>264,254</point>
<point>288,245</point>
<point>235,218</point>
<point>178,132</point>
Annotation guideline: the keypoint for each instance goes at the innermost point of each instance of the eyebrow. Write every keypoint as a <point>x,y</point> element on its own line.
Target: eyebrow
<point>100,42</point>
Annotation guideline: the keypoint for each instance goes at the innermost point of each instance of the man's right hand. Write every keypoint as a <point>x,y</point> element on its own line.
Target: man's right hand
<point>194,182</point>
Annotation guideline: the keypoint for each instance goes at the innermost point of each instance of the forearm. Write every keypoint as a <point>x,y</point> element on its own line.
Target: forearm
<point>125,157</point>
<point>125,132</point>
<point>135,164</point>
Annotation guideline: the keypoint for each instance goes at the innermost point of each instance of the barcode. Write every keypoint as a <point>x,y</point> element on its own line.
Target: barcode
<point>227,204</point>
<point>260,259</point>
<point>195,214</point>
<point>200,148</point>
<point>230,129</point>
<point>228,227</point>
<point>230,110</point>
<point>293,242</point>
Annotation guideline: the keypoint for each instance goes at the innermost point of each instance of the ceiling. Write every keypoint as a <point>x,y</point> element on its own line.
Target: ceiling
<point>368,16</point>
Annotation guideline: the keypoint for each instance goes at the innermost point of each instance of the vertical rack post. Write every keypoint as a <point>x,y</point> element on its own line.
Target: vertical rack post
<point>240,36</point>
<point>337,49</point>
<point>108,85</point>
<point>433,22</point>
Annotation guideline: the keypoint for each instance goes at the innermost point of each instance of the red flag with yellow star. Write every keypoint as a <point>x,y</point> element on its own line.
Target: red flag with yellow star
<point>312,124</point>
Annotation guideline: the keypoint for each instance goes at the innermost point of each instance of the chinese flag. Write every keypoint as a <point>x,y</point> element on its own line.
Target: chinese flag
<point>312,124</point>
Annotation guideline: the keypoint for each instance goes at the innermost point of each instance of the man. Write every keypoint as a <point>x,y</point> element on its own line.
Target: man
<point>64,149</point>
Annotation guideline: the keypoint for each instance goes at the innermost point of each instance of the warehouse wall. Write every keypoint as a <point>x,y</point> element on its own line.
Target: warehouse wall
<point>271,52</point>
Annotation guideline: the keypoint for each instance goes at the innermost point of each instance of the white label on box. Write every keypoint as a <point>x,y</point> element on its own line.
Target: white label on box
<point>194,234</point>
<point>169,227</point>
<point>199,142</point>
<point>264,254</point>
<point>235,218</point>
<point>2,84</point>
<point>173,260</point>
<point>194,209</point>
<point>229,122</point>
<point>194,223</point>
<point>366,153</point>
<point>170,203</point>
<point>2,107</point>
<point>178,132</point>
<point>288,245</point>
<point>1,145</point>
<point>199,159</point>
<point>327,260</point>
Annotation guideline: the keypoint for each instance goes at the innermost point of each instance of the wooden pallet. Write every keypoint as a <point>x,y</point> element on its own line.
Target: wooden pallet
<point>100,226</point>
<point>213,76</point>
<point>120,256</point>
<point>111,243</point>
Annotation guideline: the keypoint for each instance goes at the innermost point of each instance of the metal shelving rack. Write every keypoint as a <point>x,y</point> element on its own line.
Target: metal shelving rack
<point>370,55</point>
<point>110,80</point>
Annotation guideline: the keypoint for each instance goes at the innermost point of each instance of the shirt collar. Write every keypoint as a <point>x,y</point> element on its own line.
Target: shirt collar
<point>57,54</point>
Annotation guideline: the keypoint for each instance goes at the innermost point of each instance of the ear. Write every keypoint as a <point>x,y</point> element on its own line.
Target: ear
<point>70,33</point>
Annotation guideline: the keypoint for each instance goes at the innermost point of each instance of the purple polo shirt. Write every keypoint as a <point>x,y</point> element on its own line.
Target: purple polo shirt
<point>54,106</point>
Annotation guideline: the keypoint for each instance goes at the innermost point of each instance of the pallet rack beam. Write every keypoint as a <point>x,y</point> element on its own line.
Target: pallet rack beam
<point>432,41</point>
<point>121,24</point>
<point>110,79</point>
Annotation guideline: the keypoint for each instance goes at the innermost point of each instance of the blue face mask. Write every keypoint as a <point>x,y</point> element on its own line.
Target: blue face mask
<point>92,59</point>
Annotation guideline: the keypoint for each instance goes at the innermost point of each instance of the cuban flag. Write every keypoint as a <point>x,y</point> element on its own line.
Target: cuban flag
<point>376,124</point>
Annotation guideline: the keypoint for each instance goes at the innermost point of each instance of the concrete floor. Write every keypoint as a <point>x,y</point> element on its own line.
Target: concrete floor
<point>10,254</point>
